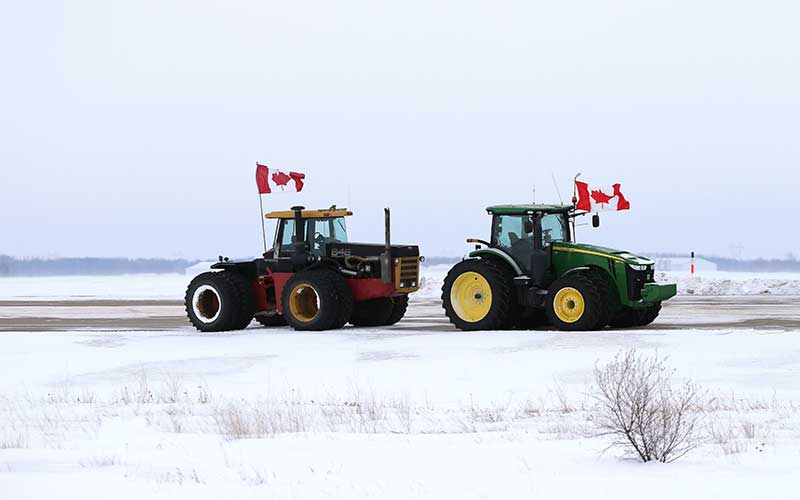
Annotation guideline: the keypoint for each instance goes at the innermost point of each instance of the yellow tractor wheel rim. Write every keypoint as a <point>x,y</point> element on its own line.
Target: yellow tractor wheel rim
<point>569,305</point>
<point>304,303</point>
<point>471,297</point>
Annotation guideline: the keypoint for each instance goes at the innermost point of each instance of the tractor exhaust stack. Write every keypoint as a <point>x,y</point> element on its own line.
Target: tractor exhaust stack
<point>386,257</point>
<point>300,255</point>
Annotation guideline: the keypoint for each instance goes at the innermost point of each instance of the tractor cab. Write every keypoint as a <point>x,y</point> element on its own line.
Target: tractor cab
<point>315,229</point>
<point>527,232</point>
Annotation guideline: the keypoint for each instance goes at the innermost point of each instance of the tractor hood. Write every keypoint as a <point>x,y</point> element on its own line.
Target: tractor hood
<point>619,255</point>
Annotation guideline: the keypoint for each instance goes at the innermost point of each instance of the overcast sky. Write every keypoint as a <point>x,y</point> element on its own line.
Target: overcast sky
<point>132,128</point>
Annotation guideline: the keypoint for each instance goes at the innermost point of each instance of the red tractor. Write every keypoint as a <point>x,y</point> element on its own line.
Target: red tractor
<point>313,279</point>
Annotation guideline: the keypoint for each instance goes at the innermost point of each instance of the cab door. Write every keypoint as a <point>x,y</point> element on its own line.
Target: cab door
<point>514,234</point>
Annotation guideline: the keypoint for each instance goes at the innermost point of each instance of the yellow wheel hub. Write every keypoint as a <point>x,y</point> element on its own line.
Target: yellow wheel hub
<point>304,303</point>
<point>471,297</point>
<point>569,305</point>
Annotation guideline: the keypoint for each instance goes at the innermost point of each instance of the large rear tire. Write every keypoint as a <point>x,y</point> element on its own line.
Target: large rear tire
<point>316,300</point>
<point>219,301</point>
<point>478,295</point>
<point>577,302</point>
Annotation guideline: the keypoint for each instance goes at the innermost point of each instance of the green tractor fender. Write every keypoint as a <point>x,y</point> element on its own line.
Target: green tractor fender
<point>498,254</point>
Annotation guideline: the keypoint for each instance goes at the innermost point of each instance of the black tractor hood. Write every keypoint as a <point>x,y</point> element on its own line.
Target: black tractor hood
<point>339,250</point>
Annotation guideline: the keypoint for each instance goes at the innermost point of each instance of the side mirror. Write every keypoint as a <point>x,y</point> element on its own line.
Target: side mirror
<point>596,220</point>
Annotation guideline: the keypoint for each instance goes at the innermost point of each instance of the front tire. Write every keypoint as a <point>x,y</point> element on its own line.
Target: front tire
<point>577,302</point>
<point>630,317</point>
<point>384,311</point>
<point>478,295</point>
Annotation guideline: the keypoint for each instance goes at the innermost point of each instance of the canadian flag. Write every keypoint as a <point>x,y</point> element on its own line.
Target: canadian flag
<point>278,181</point>
<point>594,198</point>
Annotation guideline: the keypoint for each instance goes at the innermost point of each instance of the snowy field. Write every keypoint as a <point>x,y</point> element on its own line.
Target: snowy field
<point>173,286</point>
<point>418,410</point>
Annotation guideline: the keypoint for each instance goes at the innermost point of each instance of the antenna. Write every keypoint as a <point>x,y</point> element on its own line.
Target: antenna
<point>534,194</point>
<point>560,199</point>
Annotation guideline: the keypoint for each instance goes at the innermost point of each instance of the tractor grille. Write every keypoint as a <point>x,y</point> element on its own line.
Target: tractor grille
<point>406,274</point>
<point>636,281</point>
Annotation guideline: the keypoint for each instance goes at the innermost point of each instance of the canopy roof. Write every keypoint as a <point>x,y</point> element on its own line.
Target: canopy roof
<point>310,214</point>
<point>524,209</point>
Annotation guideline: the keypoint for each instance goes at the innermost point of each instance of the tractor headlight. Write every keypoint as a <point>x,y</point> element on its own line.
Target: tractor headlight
<point>637,267</point>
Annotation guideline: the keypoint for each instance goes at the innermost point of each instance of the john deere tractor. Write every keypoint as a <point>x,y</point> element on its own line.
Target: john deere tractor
<point>312,279</point>
<point>531,273</point>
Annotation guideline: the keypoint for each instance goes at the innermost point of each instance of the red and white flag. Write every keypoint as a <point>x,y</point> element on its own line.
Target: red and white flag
<point>596,198</point>
<point>278,181</point>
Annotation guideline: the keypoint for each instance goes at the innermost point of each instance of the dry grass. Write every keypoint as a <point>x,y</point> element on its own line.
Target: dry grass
<point>13,441</point>
<point>168,403</point>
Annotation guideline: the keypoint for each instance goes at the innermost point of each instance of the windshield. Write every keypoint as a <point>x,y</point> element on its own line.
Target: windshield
<point>319,232</point>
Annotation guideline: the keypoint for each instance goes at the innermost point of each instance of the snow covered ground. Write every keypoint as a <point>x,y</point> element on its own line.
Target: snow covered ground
<point>413,411</point>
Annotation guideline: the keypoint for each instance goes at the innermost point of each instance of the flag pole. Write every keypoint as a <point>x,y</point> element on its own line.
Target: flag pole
<point>574,205</point>
<point>263,227</point>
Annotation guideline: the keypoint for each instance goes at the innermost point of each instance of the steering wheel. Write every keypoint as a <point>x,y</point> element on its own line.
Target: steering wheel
<point>319,239</point>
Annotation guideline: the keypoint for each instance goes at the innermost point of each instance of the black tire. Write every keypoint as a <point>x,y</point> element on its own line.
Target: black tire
<point>374,312</point>
<point>219,301</point>
<point>591,295</point>
<point>400,304</point>
<point>247,303</point>
<point>606,285</point>
<point>379,312</point>
<point>531,318</point>
<point>650,314</point>
<point>498,314</point>
<point>316,300</point>
<point>345,301</point>
<point>627,318</point>
<point>630,317</point>
<point>271,321</point>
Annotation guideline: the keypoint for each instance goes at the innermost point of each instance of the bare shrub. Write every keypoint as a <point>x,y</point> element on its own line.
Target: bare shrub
<point>13,441</point>
<point>641,409</point>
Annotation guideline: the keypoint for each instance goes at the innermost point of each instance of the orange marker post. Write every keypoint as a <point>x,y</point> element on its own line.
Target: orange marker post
<point>692,266</point>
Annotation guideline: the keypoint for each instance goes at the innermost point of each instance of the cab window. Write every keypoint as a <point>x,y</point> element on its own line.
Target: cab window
<point>511,229</point>
<point>286,236</point>
<point>553,229</point>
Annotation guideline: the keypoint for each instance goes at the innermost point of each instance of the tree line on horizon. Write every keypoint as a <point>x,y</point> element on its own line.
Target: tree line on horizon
<point>13,266</point>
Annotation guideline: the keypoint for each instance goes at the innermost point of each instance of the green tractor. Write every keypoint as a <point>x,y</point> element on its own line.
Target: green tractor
<point>532,273</point>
